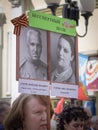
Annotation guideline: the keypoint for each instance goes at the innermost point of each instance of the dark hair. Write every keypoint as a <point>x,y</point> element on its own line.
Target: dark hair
<point>70,113</point>
<point>3,105</point>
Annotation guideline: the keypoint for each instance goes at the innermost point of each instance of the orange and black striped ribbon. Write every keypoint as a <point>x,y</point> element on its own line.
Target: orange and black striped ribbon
<point>18,22</point>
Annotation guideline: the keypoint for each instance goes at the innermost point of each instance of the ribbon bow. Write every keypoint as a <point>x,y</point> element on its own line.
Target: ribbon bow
<point>18,22</point>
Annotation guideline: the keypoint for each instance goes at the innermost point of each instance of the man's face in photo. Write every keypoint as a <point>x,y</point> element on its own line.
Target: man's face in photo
<point>35,46</point>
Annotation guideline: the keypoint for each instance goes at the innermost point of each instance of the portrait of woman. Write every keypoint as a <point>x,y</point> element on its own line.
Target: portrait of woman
<point>62,58</point>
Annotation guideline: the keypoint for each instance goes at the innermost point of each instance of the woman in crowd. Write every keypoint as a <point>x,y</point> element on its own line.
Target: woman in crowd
<point>28,112</point>
<point>72,118</point>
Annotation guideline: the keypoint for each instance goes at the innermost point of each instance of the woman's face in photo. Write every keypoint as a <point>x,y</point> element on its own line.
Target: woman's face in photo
<point>35,46</point>
<point>64,53</point>
<point>35,115</point>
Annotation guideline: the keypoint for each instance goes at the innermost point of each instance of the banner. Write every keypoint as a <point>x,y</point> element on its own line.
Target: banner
<point>82,68</point>
<point>52,23</point>
<point>92,74</point>
<point>82,91</point>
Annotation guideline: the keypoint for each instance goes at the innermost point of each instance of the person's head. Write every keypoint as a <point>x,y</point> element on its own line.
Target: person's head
<point>65,50</point>
<point>34,44</point>
<point>72,118</point>
<point>87,123</point>
<point>94,122</point>
<point>4,110</point>
<point>29,112</point>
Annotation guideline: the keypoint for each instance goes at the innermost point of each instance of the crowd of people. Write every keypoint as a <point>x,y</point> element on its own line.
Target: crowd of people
<point>32,112</point>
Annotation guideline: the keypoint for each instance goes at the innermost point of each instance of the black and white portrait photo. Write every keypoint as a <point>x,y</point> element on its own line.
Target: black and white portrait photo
<point>62,58</point>
<point>33,53</point>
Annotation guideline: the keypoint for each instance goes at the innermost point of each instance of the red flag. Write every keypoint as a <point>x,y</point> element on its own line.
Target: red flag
<point>59,106</point>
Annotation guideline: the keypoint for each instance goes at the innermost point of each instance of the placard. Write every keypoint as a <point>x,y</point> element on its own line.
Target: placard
<point>34,87</point>
<point>46,51</point>
<point>64,90</point>
<point>52,23</point>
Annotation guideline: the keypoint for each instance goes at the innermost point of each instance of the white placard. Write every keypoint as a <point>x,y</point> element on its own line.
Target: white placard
<point>64,90</point>
<point>34,87</point>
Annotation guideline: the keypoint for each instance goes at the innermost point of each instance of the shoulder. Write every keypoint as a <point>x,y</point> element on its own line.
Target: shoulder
<point>1,127</point>
<point>72,79</point>
<point>91,129</point>
<point>53,74</point>
<point>42,64</point>
<point>24,67</point>
<point>23,62</point>
<point>53,124</point>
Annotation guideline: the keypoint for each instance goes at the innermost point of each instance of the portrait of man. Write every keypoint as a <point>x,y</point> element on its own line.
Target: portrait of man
<point>63,63</point>
<point>33,54</point>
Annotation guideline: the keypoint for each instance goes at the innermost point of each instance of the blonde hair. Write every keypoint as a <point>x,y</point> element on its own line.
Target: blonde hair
<point>14,120</point>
